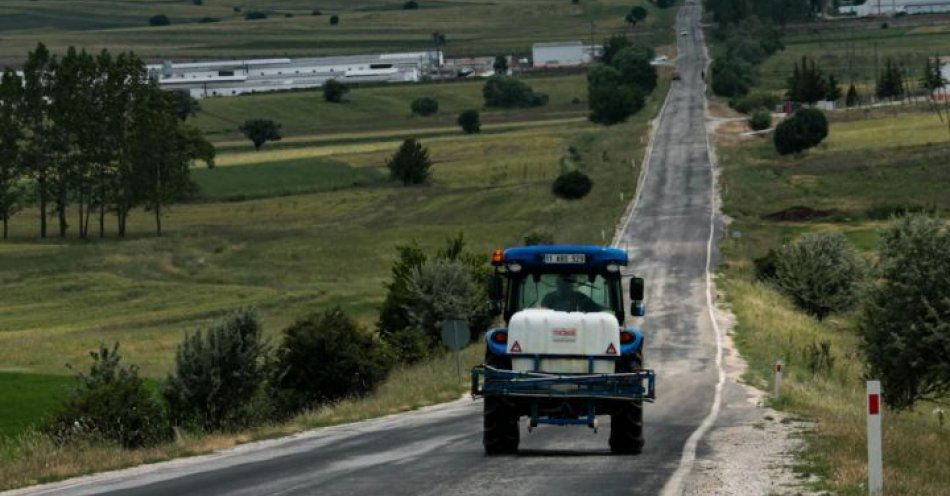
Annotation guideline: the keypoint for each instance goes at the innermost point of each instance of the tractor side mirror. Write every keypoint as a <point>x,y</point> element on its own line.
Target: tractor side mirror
<point>637,308</point>
<point>496,292</point>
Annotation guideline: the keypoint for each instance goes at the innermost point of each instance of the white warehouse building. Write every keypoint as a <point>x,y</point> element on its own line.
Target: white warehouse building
<point>562,54</point>
<point>894,7</point>
<point>234,77</point>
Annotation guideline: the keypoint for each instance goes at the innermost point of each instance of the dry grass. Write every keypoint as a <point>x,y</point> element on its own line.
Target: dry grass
<point>32,458</point>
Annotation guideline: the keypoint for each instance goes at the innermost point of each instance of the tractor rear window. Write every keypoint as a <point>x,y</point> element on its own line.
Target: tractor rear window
<point>564,292</point>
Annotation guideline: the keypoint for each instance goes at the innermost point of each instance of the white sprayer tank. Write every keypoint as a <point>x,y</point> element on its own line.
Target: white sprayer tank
<point>548,332</point>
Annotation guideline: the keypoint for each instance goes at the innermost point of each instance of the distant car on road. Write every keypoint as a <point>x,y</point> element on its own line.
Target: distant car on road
<point>660,59</point>
<point>683,33</point>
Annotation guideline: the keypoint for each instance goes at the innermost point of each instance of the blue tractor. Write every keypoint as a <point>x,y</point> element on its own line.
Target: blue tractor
<point>565,356</point>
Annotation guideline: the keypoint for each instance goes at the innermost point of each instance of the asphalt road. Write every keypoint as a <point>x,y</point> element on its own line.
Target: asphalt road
<point>438,450</point>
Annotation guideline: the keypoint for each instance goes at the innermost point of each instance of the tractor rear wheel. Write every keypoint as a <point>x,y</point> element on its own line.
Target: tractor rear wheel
<point>500,435</point>
<point>626,423</point>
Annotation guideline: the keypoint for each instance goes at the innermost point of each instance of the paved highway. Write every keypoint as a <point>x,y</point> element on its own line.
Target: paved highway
<point>438,450</point>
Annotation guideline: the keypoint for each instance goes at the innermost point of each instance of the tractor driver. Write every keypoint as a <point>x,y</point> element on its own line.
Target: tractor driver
<point>567,299</point>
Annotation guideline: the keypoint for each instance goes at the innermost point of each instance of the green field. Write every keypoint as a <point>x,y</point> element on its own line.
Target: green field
<point>28,398</point>
<point>857,55</point>
<point>369,112</point>
<point>472,27</point>
<point>865,171</point>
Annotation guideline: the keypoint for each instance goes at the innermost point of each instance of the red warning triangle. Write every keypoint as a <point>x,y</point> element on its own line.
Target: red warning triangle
<point>515,348</point>
<point>611,350</point>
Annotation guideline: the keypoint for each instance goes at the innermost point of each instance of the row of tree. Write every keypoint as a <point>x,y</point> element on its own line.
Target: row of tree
<point>92,135</point>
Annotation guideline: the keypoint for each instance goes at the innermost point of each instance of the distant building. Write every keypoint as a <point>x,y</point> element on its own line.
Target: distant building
<point>563,54</point>
<point>894,7</point>
<point>472,66</point>
<point>235,77</point>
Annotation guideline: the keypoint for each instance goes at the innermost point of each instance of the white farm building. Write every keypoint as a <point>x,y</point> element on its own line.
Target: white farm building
<point>562,54</point>
<point>894,7</point>
<point>234,77</point>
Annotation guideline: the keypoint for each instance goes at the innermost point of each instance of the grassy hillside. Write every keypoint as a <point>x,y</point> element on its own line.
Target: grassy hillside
<point>382,109</point>
<point>366,26</point>
<point>862,174</point>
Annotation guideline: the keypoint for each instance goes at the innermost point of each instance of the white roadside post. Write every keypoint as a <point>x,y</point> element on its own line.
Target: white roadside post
<point>875,467</point>
<point>778,379</point>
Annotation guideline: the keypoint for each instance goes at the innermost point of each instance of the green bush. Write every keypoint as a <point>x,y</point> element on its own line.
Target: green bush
<point>731,77</point>
<point>410,164</point>
<point>470,121</point>
<point>254,15</point>
<point>821,273</point>
<point>508,92</point>
<point>220,374</point>
<point>327,357</point>
<point>159,20</point>
<point>334,90</point>
<point>748,104</point>
<point>410,5</point>
<point>111,403</point>
<point>635,69</point>
<point>572,185</point>
<point>905,325</point>
<point>803,130</point>
<point>609,99</point>
<point>425,106</point>
<point>440,289</point>
<point>334,20</point>
<point>760,120</point>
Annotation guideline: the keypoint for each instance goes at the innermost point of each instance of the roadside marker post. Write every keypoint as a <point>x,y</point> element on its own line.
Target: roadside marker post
<point>778,379</point>
<point>875,466</point>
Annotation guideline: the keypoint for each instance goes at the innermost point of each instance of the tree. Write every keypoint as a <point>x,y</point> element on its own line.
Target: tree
<point>37,153</point>
<point>905,326</point>
<point>572,185</point>
<point>334,90</point>
<point>612,46</point>
<point>185,105</point>
<point>610,100</point>
<point>760,120</point>
<point>11,134</point>
<point>635,69</point>
<point>500,65</point>
<point>834,89</point>
<point>803,130</point>
<point>410,5</point>
<point>636,14</point>
<point>255,15</point>
<point>425,106</point>
<point>852,98</point>
<point>821,273</point>
<point>932,78</point>
<point>509,92</point>
<point>470,121</point>
<point>410,164</point>
<point>890,84</point>
<point>159,20</point>
<point>352,361</point>
<point>440,289</point>
<point>260,131</point>
<point>334,20</point>
<point>807,83</point>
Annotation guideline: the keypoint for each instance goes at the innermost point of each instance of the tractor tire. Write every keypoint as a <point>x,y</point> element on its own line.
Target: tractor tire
<point>626,423</point>
<point>500,435</point>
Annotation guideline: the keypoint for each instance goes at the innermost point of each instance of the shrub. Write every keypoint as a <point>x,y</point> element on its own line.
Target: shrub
<point>316,12</point>
<point>765,266</point>
<point>610,101</point>
<point>410,164</point>
<point>821,273</point>
<point>470,121</point>
<point>327,357</point>
<point>198,2</point>
<point>748,104</point>
<point>803,130</point>
<point>289,15</point>
<point>159,20</point>
<point>236,9</point>
<point>425,106</point>
<point>397,325</point>
<point>572,185</point>
<point>334,20</point>
<point>219,375</point>
<point>508,92</point>
<point>760,120</point>
<point>255,15</point>
<point>410,5</point>
<point>334,90</point>
<point>500,65</point>
<point>206,20</point>
<point>731,77</point>
<point>905,326</point>
<point>852,98</point>
<point>437,290</point>
<point>112,404</point>
<point>613,46</point>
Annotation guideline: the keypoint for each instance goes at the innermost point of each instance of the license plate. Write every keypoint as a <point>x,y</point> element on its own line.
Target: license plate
<point>565,258</point>
<point>568,335</point>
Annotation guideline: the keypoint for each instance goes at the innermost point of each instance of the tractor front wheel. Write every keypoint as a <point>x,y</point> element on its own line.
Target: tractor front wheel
<point>500,435</point>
